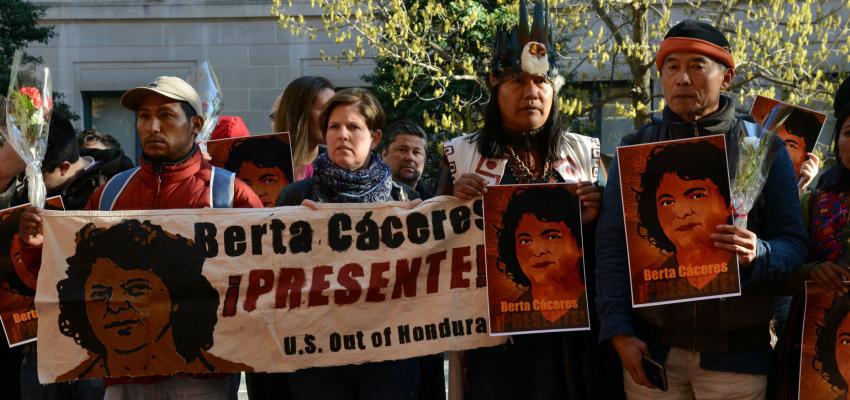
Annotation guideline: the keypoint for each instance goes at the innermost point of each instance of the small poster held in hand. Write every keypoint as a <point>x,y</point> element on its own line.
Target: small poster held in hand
<point>263,162</point>
<point>675,194</point>
<point>799,131</point>
<point>535,265</point>
<point>825,352</point>
<point>17,279</point>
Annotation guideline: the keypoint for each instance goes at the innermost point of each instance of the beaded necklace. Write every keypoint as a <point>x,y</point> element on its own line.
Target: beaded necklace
<point>524,174</point>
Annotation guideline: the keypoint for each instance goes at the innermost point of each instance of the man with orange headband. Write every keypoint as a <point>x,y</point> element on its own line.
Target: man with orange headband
<point>712,349</point>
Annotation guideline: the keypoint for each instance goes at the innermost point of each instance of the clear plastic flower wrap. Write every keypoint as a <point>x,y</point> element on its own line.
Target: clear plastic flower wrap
<point>205,82</point>
<point>27,109</point>
<point>755,157</point>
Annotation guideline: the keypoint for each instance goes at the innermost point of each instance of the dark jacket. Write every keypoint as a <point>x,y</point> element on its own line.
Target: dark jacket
<point>732,333</point>
<point>75,194</point>
<point>425,190</point>
<point>294,193</point>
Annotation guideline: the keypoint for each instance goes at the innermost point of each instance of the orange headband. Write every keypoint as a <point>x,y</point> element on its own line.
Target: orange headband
<point>692,45</point>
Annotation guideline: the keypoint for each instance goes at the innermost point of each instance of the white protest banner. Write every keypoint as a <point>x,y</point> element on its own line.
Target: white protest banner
<point>138,293</point>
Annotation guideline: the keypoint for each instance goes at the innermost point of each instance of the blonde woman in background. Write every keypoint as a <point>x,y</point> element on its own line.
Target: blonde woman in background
<point>297,111</point>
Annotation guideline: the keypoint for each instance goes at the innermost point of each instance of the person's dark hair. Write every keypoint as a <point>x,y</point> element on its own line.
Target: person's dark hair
<point>188,110</point>
<point>493,139</point>
<point>62,144</point>
<point>264,153</point>
<point>676,158</point>
<point>544,203</point>
<point>824,360</point>
<point>837,178</point>
<point>800,123</point>
<point>93,134</point>
<point>402,127</point>
<point>135,245</point>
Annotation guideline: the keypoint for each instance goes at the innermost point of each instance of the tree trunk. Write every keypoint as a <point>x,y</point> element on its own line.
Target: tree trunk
<point>638,63</point>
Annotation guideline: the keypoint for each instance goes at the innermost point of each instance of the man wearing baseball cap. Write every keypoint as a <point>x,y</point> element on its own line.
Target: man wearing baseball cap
<point>172,174</point>
<point>712,348</point>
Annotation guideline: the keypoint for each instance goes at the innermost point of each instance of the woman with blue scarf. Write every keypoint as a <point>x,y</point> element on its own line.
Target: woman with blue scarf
<point>351,172</point>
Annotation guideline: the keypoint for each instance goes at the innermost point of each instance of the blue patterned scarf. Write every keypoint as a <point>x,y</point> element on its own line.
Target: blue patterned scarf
<point>370,185</point>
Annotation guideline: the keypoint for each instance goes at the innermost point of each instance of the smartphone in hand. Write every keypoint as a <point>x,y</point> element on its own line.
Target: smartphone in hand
<point>655,372</point>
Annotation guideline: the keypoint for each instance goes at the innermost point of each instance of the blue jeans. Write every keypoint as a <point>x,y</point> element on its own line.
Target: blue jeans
<point>388,380</point>
<point>32,389</point>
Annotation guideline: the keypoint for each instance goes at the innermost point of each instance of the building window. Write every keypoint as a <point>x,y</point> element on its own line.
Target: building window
<point>103,111</point>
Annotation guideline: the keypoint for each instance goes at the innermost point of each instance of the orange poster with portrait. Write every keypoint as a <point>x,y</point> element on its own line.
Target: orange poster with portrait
<point>263,162</point>
<point>825,350</point>
<point>675,193</point>
<point>800,130</point>
<point>17,281</point>
<point>535,268</point>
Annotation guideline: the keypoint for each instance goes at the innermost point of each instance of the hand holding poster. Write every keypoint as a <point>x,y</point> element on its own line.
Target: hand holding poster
<point>535,269</point>
<point>17,281</point>
<point>263,162</point>
<point>139,293</point>
<point>671,206</point>
<point>825,354</point>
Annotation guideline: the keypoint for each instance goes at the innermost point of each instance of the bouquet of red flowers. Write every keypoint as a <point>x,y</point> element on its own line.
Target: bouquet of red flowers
<point>27,112</point>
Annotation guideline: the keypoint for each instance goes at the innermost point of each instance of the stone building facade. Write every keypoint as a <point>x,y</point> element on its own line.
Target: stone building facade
<point>104,47</point>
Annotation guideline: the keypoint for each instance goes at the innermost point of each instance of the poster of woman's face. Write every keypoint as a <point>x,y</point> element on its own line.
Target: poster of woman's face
<point>263,162</point>
<point>135,296</point>
<point>800,131</point>
<point>535,268</point>
<point>17,279</point>
<point>675,194</point>
<point>825,350</point>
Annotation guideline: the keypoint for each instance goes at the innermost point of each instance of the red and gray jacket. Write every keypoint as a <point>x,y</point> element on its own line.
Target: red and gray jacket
<point>189,183</point>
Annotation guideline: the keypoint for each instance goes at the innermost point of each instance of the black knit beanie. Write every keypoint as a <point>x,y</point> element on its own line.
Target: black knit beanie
<point>694,29</point>
<point>694,36</point>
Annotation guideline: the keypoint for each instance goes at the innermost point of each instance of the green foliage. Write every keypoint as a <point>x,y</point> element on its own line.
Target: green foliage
<point>18,27</point>
<point>787,49</point>
<point>432,55</point>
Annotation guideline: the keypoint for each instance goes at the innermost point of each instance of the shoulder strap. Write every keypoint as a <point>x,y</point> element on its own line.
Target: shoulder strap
<point>114,187</point>
<point>222,184</point>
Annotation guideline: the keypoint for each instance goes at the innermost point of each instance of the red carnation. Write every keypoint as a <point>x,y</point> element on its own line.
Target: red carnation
<point>33,94</point>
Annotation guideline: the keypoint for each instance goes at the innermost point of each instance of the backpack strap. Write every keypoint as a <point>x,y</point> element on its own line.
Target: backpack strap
<point>222,184</point>
<point>114,187</point>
